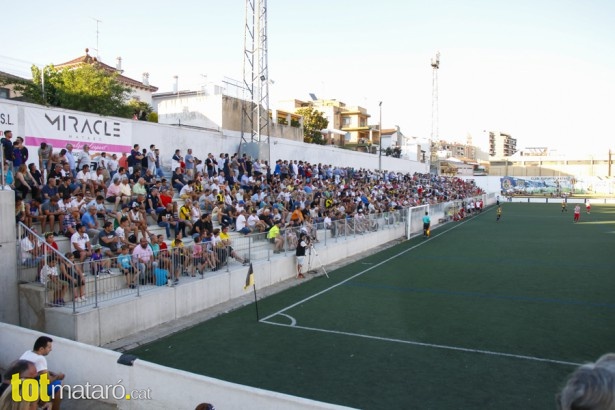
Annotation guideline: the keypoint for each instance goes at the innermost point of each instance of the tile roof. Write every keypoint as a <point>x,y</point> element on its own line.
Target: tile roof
<point>87,59</point>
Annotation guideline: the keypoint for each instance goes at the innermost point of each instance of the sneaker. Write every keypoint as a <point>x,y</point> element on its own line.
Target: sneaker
<point>300,276</point>
<point>83,298</point>
<point>131,286</point>
<point>169,282</point>
<point>176,281</point>
<point>276,251</point>
<point>107,271</point>
<point>78,300</point>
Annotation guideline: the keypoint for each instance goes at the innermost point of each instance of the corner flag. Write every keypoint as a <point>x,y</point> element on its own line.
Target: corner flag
<point>249,278</point>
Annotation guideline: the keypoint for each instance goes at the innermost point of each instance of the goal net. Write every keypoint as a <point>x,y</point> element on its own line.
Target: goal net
<point>415,220</point>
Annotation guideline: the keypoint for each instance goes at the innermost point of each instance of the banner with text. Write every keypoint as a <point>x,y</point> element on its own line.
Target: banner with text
<point>8,119</point>
<point>58,128</point>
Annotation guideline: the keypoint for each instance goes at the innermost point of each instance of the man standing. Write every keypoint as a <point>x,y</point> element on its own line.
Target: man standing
<point>84,158</point>
<point>7,147</point>
<point>302,244</point>
<point>151,159</point>
<point>137,157</point>
<point>143,257</point>
<point>42,348</point>
<point>426,224</point>
<point>189,160</point>
<point>72,161</point>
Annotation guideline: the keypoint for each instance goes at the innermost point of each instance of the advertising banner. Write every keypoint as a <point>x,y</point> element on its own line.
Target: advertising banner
<point>8,119</point>
<point>58,128</point>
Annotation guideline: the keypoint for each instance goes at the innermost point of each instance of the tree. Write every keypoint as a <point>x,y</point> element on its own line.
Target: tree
<point>85,88</point>
<point>313,122</point>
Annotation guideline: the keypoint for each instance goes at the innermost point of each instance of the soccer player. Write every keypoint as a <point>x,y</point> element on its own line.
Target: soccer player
<point>498,213</point>
<point>577,213</point>
<point>564,208</point>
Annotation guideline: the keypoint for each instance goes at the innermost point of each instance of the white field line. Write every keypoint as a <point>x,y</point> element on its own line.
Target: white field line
<point>462,349</point>
<point>431,345</point>
<point>362,272</point>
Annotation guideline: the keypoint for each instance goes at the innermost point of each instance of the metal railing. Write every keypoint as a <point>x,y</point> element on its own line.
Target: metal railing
<point>91,282</point>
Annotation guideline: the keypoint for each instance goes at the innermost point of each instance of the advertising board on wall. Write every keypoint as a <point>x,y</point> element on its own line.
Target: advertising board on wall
<point>8,118</point>
<point>59,128</point>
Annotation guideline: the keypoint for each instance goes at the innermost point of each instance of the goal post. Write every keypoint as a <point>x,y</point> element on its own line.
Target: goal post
<point>415,220</point>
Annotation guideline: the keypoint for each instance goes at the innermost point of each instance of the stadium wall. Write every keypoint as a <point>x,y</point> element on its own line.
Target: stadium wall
<point>110,134</point>
<point>168,388</point>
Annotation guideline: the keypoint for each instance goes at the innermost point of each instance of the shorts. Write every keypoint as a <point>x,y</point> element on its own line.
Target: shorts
<point>56,285</point>
<point>300,260</point>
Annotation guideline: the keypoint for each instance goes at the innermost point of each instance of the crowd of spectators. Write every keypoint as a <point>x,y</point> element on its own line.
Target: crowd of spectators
<point>246,194</point>
<point>106,205</point>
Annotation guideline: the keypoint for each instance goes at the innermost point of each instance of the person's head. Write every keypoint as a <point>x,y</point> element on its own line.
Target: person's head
<point>69,147</point>
<point>143,242</point>
<point>92,210</point>
<point>124,249</point>
<point>8,134</point>
<point>81,228</point>
<point>24,368</point>
<point>49,238</point>
<point>97,248</point>
<point>205,406</point>
<point>43,345</point>
<point>108,226</point>
<point>589,388</point>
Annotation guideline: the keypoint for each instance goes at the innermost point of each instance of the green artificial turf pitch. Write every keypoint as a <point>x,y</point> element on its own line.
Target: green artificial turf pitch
<point>484,314</point>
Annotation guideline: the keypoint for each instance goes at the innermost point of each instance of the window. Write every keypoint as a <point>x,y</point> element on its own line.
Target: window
<point>346,121</point>
<point>4,93</point>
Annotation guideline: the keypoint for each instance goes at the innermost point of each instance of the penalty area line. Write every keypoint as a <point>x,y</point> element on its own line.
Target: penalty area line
<point>430,345</point>
<point>364,271</point>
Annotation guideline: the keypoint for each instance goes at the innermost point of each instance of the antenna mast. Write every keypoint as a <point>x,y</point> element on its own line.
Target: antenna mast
<point>97,32</point>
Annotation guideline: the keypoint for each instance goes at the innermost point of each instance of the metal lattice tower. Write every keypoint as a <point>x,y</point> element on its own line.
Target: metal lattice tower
<point>255,112</point>
<point>435,115</point>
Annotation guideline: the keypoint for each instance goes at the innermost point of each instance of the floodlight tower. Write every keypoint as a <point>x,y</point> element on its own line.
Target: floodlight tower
<point>435,65</point>
<point>435,115</point>
<point>255,112</point>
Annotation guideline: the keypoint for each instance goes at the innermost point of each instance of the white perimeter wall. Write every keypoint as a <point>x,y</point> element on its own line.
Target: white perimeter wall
<point>168,138</point>
<point>170,388</point>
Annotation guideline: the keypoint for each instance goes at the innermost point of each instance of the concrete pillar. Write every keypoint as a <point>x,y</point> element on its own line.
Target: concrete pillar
<point>9,286</point>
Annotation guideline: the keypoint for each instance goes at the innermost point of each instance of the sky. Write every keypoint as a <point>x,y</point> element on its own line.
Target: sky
<point>542,71</point>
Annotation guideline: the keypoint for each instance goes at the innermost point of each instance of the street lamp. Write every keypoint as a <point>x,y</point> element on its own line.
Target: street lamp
<point>380,138</point>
